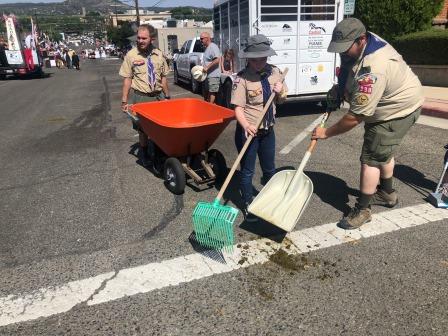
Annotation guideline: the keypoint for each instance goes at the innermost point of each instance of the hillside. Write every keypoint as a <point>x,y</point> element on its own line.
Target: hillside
<point>68,7</point>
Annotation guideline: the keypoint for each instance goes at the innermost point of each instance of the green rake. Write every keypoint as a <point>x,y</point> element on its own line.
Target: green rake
<point>213,222</point>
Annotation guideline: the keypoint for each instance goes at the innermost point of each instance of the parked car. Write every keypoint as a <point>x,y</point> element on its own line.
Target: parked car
<point>190,54</point>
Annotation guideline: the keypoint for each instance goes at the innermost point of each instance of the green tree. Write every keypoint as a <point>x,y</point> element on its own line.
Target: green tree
<point>119,35</point>
<point>392,18</point>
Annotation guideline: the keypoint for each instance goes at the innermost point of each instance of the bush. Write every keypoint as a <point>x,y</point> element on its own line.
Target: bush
<point>426,47</point>
<point>391,18</point>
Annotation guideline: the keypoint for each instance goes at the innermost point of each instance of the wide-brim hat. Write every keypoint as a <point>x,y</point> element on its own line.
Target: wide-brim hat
<point>257,46</point>
<point>198,73</point>
<point>344,35</point>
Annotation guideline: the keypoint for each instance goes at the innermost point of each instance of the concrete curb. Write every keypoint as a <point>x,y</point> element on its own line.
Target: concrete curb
<point>435,111</point>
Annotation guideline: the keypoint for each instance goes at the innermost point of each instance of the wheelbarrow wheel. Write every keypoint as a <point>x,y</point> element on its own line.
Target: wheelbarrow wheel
<point>219,165</point>
<point>174,176</point>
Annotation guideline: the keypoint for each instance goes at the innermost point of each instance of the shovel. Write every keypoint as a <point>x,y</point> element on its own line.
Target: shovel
<point>286,195</point>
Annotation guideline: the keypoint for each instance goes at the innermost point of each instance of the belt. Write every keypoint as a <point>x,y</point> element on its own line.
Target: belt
<point>149,94</point>
<point>264,131</point>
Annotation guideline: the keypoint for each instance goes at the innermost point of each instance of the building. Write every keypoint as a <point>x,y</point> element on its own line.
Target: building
<point>116,19</point>
<point>441,20</point>
<point>171,38</point>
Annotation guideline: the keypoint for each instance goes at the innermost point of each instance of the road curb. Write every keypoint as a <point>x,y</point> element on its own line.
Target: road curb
<point>435,112</point>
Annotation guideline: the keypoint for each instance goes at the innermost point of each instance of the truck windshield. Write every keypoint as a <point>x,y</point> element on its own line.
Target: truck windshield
<point>198,47</point>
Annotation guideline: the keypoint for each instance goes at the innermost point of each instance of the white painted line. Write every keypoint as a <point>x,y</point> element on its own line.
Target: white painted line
<point>299,138</point>
<point>112,286</point>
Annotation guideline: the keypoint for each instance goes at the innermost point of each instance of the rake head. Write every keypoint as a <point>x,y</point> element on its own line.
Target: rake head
<point>213,225</point>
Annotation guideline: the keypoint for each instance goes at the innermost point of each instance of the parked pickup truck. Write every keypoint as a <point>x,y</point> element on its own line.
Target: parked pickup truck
<point>190,54</point>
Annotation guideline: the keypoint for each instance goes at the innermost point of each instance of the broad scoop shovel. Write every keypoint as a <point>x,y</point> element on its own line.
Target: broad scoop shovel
<point>286,195</point>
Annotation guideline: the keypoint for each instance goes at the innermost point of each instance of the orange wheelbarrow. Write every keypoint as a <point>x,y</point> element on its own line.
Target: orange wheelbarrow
<point>181,132</point>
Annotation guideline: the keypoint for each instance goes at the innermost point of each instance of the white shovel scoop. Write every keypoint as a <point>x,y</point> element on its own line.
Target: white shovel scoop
<point>286,195</point>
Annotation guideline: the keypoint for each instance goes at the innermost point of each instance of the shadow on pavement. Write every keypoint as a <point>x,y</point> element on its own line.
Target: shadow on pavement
<point>332,190</point>
<point>414,179</point>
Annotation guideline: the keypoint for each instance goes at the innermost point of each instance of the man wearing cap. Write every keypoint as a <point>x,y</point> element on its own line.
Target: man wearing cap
<point>212,55</point>
<point>251,90</point>
<point>384,93</point>
<point>144,70</point>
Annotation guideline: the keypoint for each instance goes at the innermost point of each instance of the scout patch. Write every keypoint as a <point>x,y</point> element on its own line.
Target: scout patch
<point>365,83</point>
<point>138,62</point>
<point>234,86</point>
<point>254,93</point>
<point>362,100</point>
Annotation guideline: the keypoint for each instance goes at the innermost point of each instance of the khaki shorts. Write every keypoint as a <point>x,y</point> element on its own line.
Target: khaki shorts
<point>138,98</point>
<point>382,139</point>
<point>212,84</point>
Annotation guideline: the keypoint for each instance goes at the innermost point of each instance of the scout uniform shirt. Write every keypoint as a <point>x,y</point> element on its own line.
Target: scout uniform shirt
<point>135,66</point>
<point>381,86</point>
<point>247,92</point>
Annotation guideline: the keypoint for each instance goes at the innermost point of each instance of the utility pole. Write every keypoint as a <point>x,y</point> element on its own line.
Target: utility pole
<point>137,13</point>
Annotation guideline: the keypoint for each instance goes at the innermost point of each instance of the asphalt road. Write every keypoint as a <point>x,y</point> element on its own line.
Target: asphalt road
<point>76,203</point>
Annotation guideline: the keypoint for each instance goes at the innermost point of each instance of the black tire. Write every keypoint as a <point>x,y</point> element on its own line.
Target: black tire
<point>175,76</point>
<point>174,176</point>
<point>2,77</point>
<point>219,165</point>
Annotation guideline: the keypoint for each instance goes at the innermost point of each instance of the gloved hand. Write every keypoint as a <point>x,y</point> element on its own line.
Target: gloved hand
<point>334,99</point>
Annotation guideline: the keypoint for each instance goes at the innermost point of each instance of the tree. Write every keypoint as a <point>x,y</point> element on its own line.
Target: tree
<point>392,18</point>
<point>119,35</point>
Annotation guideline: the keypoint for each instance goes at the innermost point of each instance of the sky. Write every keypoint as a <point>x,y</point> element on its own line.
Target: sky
<point>143,3</point>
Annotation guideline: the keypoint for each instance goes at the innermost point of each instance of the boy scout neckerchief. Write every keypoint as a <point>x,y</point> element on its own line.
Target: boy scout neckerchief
<point>269,116</point>
<point>151,72</point>
<point>373,44</point>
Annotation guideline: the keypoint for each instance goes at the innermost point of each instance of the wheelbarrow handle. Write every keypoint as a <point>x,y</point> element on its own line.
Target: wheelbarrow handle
<point>248,141</point>
<point>130,114</point>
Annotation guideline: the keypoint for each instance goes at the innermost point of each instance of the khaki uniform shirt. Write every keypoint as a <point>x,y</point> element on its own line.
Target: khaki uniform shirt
<point>381,86</point>
<point>135,66</point>
<point>247,92</point>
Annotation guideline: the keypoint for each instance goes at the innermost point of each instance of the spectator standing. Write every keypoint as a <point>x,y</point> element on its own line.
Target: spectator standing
<point>212,56</point>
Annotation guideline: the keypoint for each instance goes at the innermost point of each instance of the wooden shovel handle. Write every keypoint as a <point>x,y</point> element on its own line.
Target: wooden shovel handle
<point>322,124</point>
<point>249,139</point>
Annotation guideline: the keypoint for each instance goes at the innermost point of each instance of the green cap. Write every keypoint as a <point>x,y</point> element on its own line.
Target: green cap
<point>344,34</point>
<point>257,46</point>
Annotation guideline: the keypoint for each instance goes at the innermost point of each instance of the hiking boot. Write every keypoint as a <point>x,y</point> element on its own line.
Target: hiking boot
<point>384,199</point>
<point>248,217</point>
<point>356,218</point>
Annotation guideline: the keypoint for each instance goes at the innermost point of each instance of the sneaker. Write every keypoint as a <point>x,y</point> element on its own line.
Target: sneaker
<point>355,218</point>
<point>248,217</point>
<point>384,199</point>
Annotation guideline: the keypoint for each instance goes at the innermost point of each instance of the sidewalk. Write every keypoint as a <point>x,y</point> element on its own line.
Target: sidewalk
<point>436,102</point>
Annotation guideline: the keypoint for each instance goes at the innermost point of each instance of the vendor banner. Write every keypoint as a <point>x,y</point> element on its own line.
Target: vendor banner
<point>13,41</point>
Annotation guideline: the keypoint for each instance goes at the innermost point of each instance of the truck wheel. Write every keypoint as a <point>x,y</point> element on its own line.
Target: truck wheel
<point>176,76</point>
<point>174,176</point>
<point>195,86</point>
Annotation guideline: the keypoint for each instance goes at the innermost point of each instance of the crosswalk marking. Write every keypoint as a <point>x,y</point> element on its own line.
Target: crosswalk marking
<point>111,286</point>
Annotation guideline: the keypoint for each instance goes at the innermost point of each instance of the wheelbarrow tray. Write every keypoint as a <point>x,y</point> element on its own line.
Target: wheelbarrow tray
<point>182,127</point>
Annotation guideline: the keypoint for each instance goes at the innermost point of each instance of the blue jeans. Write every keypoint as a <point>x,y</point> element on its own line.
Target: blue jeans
<point>264,145</point>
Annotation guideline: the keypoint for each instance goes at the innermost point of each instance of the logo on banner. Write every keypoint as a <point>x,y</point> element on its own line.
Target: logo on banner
<point>315,30</point>
<point>287,28</point>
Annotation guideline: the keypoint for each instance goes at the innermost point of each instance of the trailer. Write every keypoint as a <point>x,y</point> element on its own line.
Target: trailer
<point>300,32</point>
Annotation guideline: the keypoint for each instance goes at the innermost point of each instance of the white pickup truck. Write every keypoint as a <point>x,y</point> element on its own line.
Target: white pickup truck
<point>190,54</point>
